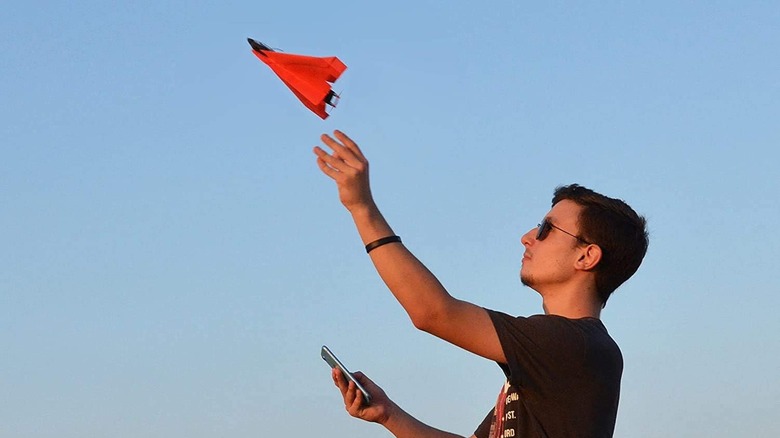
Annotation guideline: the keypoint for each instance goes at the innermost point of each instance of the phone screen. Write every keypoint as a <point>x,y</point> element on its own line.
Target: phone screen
<point>334,362</point>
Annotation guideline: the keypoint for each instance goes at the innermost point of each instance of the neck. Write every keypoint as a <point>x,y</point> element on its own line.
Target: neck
<point>572,304</point>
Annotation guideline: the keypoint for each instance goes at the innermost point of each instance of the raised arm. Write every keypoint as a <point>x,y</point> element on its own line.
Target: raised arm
<point>430,307</point>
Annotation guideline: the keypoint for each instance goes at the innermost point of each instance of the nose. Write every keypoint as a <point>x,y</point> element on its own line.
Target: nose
<point>529,237</point>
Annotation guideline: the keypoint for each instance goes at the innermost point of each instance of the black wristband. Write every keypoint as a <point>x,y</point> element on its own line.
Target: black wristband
<point>383,241</point>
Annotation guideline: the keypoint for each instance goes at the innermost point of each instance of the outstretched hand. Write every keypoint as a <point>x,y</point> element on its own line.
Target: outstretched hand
<point>348,167</point>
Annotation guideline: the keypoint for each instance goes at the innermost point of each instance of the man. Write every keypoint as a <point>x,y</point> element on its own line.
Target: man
<point>563,369</point>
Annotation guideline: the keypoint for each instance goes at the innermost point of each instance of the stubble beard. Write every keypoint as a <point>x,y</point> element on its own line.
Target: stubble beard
<point>527,280</point>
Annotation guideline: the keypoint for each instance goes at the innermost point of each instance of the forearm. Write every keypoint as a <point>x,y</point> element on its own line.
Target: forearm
<point>417,290</point>
<point>403,425</point>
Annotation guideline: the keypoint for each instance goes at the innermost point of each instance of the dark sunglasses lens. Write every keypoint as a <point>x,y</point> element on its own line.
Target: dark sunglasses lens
<point>544,229</point>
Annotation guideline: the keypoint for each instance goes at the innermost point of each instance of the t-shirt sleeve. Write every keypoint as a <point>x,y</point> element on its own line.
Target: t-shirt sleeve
<point>538,349</point>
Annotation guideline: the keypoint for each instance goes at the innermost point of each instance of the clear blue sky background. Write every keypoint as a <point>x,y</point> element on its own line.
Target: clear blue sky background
<point>172,259</point>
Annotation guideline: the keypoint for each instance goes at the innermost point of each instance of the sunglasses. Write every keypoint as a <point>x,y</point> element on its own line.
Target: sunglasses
<point>546,226</point>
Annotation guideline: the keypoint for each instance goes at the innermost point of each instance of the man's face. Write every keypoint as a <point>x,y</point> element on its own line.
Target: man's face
<point>550,261</point>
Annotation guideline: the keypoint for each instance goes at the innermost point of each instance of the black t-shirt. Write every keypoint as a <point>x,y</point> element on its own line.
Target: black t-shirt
<point>563,378</point>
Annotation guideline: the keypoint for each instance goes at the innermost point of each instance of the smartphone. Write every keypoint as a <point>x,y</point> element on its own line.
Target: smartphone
<point>334,362</point>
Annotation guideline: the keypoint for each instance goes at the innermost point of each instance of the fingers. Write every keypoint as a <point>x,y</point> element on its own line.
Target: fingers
<point>348,143</point>
<point>344,148</point>
<point>335,165</point>
<point>327,163</point>
<point>339,380</point>
<point>347,166</point>
<point>346,156</point>
<point>355,403</point>
<point>353,398</point>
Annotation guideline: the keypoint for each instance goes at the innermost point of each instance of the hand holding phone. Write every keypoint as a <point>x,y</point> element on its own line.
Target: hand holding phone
<point>333,361</point>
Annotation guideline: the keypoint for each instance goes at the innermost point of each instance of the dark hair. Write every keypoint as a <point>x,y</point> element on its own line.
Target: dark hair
<point>616,228</point>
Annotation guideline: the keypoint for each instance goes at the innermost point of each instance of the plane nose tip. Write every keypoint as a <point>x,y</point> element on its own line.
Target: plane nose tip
<point>259,47</point>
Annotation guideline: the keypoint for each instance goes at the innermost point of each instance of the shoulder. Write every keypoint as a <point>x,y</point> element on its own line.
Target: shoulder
<point>548,330</point>
<point>546,322</point>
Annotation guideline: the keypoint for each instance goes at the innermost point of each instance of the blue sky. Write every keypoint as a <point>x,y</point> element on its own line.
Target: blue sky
<point>172,259</point>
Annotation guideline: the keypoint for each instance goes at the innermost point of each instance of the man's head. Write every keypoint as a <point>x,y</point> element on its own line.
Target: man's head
<point>605,237</point>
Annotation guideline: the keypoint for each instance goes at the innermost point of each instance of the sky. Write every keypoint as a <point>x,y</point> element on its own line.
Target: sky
<point>172,259</point>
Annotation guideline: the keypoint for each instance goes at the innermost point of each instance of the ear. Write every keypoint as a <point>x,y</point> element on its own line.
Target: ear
<point>589,257</point>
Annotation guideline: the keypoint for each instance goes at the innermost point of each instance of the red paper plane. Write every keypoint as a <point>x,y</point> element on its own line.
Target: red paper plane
<point>309,77</point>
